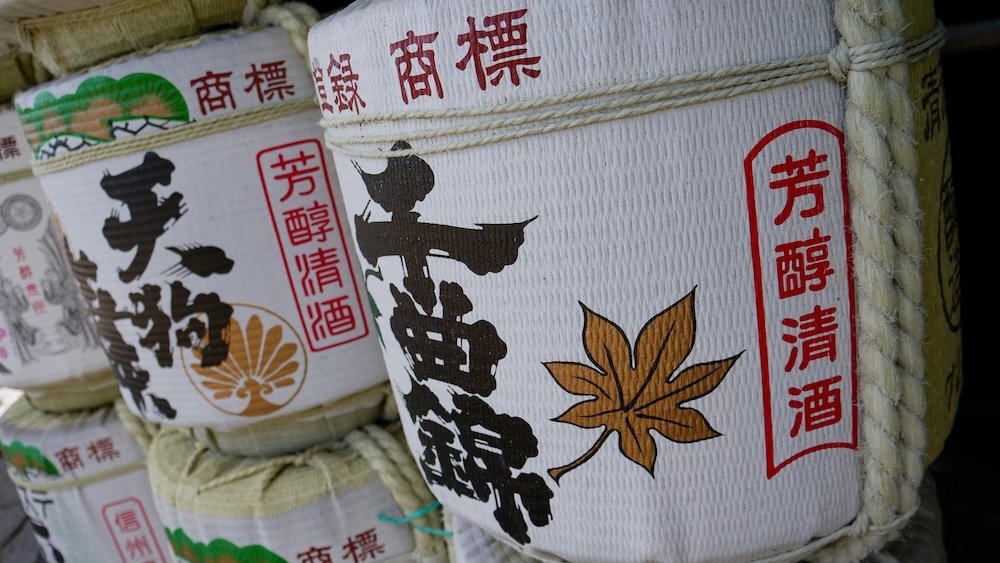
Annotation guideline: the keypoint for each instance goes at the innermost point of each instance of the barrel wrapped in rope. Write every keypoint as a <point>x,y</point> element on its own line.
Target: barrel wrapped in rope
<point>651,298</point>
<point>83,483</point>
<point>48,342</point>
<point>206,229</point>
<point>336,500</point>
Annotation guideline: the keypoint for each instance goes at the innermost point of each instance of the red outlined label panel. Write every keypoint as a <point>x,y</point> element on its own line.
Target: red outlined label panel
<point>134,536</point>
<point>307,225</point>
<point>799,215</point>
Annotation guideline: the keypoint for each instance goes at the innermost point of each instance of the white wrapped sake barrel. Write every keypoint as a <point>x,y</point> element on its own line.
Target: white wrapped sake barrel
<point>207,231</point>
<point>48,342</point>
<point>649,273</point>
<point>333,502</point>
<point>82,480</point>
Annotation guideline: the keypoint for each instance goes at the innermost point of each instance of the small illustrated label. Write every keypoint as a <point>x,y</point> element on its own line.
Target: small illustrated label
<point>306,222</point>
<point>799,230</point>
<point>134,537</point>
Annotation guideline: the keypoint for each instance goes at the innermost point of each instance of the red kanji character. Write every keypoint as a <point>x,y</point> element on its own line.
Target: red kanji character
<point>799,183</point>
<point>308,225</point>
<point>319,269</point>
<point>820,407</point>
<point>3,353</point>
<point>8,147</point>
<point>102,450</point>
<point>803,262</point>
<point>424,82</point>
<point>331,317</point>
<point>363,546</point>
<point>127,521</point>
<point>19,254</point>
<point>815,335</point>
<point>296,175</point>
<point>269,81</point>
<point>320,86</point>
<point>214,92</point>
<point>138,546</point>
<point>316,555</point>
<point>69,458</point>
<point>507,41</point>
<point>344,84</point>
<point>31,290</point>
<point>38,307</point>
<point>297,226</point>
<point>25,272</point>
<point>319,220</point>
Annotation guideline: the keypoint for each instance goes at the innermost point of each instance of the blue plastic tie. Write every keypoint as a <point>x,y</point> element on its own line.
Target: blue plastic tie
<point>406,520</point>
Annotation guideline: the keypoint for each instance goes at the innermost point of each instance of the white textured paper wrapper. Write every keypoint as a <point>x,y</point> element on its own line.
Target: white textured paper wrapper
<point>47,338</point>
<point>343,526</point>
<point>110,520</point>
<point>471,544</point>
<point>245,225</point>
<point>629,217</point>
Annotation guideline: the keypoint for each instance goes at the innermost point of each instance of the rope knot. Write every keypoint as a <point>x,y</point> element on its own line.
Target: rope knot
<point>303,458</point>
<point>839,60</point>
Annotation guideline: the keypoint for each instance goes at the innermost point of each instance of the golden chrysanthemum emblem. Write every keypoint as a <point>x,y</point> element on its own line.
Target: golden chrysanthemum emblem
<point>265,368</point>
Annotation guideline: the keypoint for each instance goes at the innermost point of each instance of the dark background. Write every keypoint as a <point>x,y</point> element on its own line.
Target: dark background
<point>968,485</point>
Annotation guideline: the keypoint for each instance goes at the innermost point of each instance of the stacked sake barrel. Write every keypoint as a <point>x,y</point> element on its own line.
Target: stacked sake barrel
<point>80,476</point>
<point>654,283</point>
<point>205,225</point>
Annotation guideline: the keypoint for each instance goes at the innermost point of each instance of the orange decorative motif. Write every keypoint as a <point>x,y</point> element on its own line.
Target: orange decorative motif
<point>264,371</point>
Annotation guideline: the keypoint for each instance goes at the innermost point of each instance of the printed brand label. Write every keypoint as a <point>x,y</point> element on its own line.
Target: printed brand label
<point>802,269</point>
<point>132,532</point>
<point>299,195</point>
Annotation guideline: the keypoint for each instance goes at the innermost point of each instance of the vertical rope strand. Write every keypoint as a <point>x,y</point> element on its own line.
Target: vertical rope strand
<point>909,238</point>
<point>883,164</point>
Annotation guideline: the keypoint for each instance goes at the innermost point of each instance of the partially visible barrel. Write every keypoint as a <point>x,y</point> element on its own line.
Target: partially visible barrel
<point>48,342</point>
<point>82,480</point>
<point>332,502</point>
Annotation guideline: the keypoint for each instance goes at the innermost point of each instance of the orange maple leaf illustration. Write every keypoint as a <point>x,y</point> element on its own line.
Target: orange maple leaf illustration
<point>634,395</point>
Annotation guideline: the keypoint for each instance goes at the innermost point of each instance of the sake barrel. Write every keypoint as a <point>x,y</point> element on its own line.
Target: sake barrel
<point>650,274</point>
<point>82,481</point>
<point>206,230</point>
<point>332,502</point>
<point>48,341</point>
